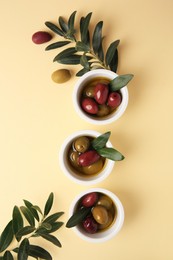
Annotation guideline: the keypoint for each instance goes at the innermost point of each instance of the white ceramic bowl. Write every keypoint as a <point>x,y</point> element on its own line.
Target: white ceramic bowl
<point>111,231</point>
<point>81,179</point>
<point>87,77</point>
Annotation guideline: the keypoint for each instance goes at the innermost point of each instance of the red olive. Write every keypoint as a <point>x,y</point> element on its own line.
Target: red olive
<point>41,37</point>
<point>114,99</point>
<point>90,106</point>
<point>90,199</point>
<point>88,158</point>
<point>101,93</point>
<point>90,225</point>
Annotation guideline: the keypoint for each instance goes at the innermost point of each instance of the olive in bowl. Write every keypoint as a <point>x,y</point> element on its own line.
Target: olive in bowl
<point>96,215</point>
<point>101,96</point>
<point>87,157</point>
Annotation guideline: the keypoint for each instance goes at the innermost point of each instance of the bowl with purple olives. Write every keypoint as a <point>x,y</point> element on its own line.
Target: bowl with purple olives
<point>101,96</point>
<point>88,157</point>
<point>96,215</point>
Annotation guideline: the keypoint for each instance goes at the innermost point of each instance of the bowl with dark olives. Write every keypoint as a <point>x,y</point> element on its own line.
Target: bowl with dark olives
<point>88,157</point>
<point>96,215</point>
<point>101,96</point>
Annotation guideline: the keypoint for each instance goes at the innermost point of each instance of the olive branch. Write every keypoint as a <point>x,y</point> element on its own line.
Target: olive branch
<point>39,224</point>
<point>88,49</point>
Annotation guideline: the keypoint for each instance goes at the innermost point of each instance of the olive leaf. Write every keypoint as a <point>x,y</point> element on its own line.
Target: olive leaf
<point>52,218</point>
<point>120,81</point>
<point>63,24</point>
<point>97,37</point>
<point>25,231</point>
<point>37,251</point>
<point>71,22</point>
<point>31,209</point>
<point>7,256</point>
<point>56,45</point>
<point>54,28</point>
<point>23,249</point>
<point>6,236</point>
<point>17,222</point>
<point>100,141</point>
<point>80,46</point>
<point>52,239</point>
<point>114,62</point>
<point>77,217</point>
<point>84,24</point>
<point>28,215</point>
<point>48,204</point>
<point>110,153</point>
<point>111,51</point>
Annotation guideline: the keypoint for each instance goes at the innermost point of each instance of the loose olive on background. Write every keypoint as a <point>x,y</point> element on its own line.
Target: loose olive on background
<point>61,76</point>
<point>41,37</point>
<point>81,144</point>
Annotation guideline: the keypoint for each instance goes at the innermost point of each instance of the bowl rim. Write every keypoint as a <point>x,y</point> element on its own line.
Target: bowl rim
<point>77,178</point>
<point>112,117</point>
<point>110,232</point>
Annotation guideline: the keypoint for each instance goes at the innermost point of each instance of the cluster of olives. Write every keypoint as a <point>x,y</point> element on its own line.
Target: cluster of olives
<point>83,158</point>
<point>98,100</point>
<point>101,215</point>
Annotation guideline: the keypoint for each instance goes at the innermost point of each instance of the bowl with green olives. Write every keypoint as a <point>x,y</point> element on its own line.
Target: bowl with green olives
<point>87,157</point>
<point>101,96</point>
<point>96,215</point>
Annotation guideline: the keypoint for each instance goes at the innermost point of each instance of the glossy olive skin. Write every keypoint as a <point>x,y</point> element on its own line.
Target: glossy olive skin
<point>101,93</point>
<point>90,225</point>
<point>90,106</point>
<point>94,168</point>
<point>88,158</point>
<point>41,37</point>
<point>61,75</point>
<point>90,199</point>
<point>82,144</point>
<point>105,201</point>
<point>100,214</point>
<point>108,223</point>
<point>114,99</point>
<point>103,110</point>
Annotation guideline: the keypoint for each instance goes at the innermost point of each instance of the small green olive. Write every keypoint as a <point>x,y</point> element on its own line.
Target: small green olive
<point>73,157</point>
<point>108,223</point>
<point>103,110</point>
<point>105,201</point>
<point>81,144</point>
<point>61,75</point>
<point>100,214</point>
<point>89,90</point>
<point>93,168</point>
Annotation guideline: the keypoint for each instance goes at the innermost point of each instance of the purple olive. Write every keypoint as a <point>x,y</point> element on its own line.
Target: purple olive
<point>90,106</point>
<point>101,93</point>
<point>41,37</point>
<point>88,158</point>
<point>90,225</point>
<point>90,199</point>
<point>114,99</point>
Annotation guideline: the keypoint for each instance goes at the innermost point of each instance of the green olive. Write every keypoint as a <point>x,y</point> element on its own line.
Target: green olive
<point>103,110</point>
<point>89,90</point>
<point>93,168</point>
<point>73,157</point>
<point>108,223</point>
<point>105,201</point>
<point>100,214</point>
<point>61,75</point>
<point>81,144</point>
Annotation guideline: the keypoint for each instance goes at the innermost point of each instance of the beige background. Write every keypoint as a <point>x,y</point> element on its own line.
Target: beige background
<point>36,115</point>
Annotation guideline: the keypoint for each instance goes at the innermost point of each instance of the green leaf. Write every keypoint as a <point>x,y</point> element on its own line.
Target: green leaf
<point>70,60</point>
<point>7,256</point>
<point>114,62</point>
<point>25,231</point>
<point>17,221</point>
<point>110,153</point>
<point>23,250</point>
<point>97,37</point>
<point>48,204</point>
<point>65,53</point>
<point>32,210</point>
<point>77,217</point>
<point>100,141</point>
<point>56,45</point>
<point>52,218</point>
<point>55,226</point>
<point>71,21</point>
<point>82,72</point>
<point>37,208</point>
<point>84,62</point>
<point>84,24</point>
<point>120,81</point>
<point>63,24</point>
<point>52,239</point>
<point>6,236</point>
<point>80,46</point>
<point>28,215</point>
<point>54,28</point>
<point>111,51</point>
<point>37,251</point>
<point>46,226</point>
